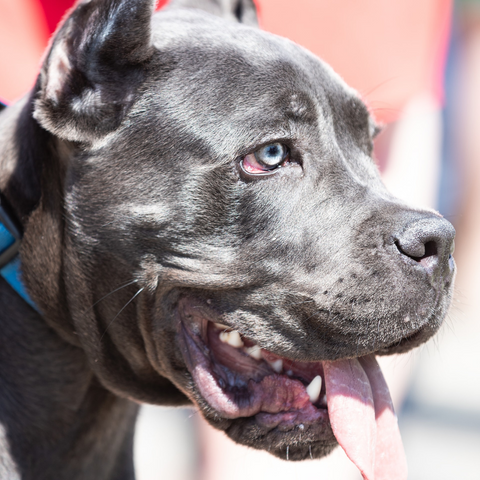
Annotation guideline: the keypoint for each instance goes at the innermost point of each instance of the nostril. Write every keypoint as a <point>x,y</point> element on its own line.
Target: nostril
<point>418,251</point>
<point>431,249</point>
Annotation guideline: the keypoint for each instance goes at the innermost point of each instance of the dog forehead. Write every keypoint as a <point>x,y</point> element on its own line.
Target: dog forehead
<point>231,78</point>
<point>200,41</point>
<point>218,89</point>
<point>183,29</point>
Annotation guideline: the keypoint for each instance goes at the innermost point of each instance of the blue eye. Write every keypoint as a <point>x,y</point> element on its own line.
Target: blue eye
<point>272,155</point>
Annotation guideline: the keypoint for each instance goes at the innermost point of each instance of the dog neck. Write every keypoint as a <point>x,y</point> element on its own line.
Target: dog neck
<point>56,420</point>
<point>32,171</point>
<point>50,397</point>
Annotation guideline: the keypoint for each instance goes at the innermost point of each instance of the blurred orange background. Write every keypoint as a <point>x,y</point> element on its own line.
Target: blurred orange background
<point>388,51</point>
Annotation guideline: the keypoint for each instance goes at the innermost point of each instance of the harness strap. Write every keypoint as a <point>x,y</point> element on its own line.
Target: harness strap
<point>10,239</point>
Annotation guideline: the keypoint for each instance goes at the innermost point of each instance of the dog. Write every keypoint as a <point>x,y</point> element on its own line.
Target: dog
<point>202,222</point>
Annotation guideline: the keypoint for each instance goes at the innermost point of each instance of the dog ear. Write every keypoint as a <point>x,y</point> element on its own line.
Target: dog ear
<point>243,11</point>
<point>94,68</point>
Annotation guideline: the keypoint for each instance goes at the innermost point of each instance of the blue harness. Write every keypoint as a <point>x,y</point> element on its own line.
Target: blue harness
<point>10,239</point>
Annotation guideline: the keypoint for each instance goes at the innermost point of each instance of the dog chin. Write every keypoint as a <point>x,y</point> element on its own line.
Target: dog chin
<point>313,442</point>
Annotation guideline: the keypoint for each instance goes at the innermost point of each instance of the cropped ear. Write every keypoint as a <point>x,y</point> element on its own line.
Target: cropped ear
<point>95,65</point>
<point>243,11</point>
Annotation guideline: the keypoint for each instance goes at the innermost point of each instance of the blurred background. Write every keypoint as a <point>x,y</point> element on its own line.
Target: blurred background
<point>417,66</point>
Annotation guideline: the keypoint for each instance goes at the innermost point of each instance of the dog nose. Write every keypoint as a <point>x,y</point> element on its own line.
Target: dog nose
<point>428,241</point>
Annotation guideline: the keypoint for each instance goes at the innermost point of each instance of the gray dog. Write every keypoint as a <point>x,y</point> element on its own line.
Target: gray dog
<point>202,223</point>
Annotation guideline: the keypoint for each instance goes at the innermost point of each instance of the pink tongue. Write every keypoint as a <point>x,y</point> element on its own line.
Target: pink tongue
<point>362,418</point>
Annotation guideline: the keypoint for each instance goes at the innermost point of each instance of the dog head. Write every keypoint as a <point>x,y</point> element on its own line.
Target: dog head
<point>222,227</point>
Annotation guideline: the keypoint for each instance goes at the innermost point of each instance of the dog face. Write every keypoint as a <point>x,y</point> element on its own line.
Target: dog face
<point>225,228</point>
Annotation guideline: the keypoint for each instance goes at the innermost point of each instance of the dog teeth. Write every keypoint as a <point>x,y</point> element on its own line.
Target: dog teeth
<point>313,390</point>
<point>277,365</point>
<point>221,326</point>
<point>323,401</point>
<point>255,352</point>
<point>232,338</point>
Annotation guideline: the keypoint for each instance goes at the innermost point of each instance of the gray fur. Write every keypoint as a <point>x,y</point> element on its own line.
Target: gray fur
<point>123,168</point>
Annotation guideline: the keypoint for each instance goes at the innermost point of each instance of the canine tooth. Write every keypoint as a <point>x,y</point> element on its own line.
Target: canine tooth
<point>221,326</point>
<point>255,352</point>
<point>313,390</point>
<point>289,373</point>
<point>232,338</point>
<point>224,337</point>
<point>277,365</point>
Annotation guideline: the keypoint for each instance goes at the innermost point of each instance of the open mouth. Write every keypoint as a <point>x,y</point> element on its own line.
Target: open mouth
<point>239,379</point>
<point>345,401</point>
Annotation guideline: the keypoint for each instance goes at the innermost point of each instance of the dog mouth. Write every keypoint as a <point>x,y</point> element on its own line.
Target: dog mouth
<point>307,403</point>
<point>239,379</point>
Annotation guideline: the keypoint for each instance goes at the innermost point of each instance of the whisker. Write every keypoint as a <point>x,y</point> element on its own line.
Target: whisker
<point>121,310</point>
<point>194,412</point>
<point>113,291</point>
<point>365,94</point>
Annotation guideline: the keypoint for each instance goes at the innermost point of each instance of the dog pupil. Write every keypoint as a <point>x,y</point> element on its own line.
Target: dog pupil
<point>273,151</point>
<point>272,154</point>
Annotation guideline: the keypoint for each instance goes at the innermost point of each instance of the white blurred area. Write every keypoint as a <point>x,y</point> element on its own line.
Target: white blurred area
<point>413,168</point>
<point>165,444</point>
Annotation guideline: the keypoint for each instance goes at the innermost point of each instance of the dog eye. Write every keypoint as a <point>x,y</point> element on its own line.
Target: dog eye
<point>265,159</point>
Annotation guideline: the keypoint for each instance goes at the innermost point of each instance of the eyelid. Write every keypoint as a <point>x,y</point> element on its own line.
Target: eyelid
<point>255,166</point>
<point>262,174</point>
